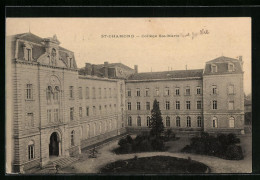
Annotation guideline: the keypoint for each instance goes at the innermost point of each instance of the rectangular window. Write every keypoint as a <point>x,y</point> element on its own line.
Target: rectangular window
<point>71,92</point>
<point>147,105</point>
<point>215,105</point>
<point>129,93</point>
<point>213,68</point>
<point>198,90</point>
<point>30,121</point>
<point>167,91</point>
<point>231,105</point>
<point>147,92</point>
<point>110,93</point>
<point>187,91</point>
<point>80,92</point>
<point>56,115</point>
<point>49,115</point>
<point>167,105</point>
<point>187,104</point>
<point>99,93</point>
<point>87,92</point>
<point>80,111</point>
<point>94,110</point>
<point>94,92</point>
<point>177,104</point>
<point>230,67</point>
<point>129,106</point>
<point>214,89</point>
<point>105,92</point>
<point>138,92</point>
<point>199,105</point>
<point>157,91</point>
<point>71,113</point>
<point>87,111</point>
<point>29,91</point>
<point>231,89</point>
<point>177,91</point>
<point>31,152</point>
<point>138,106</point>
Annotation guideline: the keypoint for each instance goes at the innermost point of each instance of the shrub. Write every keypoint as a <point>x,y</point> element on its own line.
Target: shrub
<point>145,145</point>
<point>232,139</point>
<point>126,148</point>
<point>234,152</point>
<point>122,142</point>
<point>221,146</point>
<point>129,139</point>
<point>157,144</point>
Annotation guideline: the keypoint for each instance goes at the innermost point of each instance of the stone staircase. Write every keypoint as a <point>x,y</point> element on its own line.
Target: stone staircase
<point>50,167</point>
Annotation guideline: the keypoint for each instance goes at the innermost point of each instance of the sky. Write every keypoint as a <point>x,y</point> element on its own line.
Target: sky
<point>154,44</point>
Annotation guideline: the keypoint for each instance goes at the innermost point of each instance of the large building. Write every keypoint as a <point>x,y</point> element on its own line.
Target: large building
<point>56,108</point>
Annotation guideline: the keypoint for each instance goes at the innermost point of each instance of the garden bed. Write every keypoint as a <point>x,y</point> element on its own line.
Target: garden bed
<point>155,165</point>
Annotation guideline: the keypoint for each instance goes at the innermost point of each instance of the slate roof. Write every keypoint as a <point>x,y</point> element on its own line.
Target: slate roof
<point>39,50</point>
<point>167,74</point>
<point>112,65</point>
<point>222,66</point>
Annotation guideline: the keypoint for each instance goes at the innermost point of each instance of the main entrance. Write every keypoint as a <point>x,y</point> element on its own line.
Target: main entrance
<point>54,145</point>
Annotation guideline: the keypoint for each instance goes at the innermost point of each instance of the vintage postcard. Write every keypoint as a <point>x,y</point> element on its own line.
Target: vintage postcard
<point>128,95</point>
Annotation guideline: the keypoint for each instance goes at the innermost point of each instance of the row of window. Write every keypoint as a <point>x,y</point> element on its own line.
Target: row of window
<point>187,91</point>
<point>178,121</point>
<point>167,105</point>
<point>230,67</point>
<point>166,91</point>
<point>178,105</point>
<point>168,121</point>
<point>94,110</point>
<point>105,93</point>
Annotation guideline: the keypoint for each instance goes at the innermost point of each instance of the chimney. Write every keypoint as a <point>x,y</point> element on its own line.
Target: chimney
<point>88,68</point>
<point>94,70</point>
<point>240,58</point>
<point>136,68</point>
<point>106,69</point>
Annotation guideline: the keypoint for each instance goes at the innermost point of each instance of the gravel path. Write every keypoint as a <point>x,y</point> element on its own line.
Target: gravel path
<point>217,165</point>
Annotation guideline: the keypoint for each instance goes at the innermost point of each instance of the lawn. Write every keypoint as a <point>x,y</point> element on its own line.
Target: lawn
<point>154,165</point>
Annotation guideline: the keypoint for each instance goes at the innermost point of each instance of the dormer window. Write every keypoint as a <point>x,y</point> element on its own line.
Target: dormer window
<point>231,67</point>
<point>214,68</point>
<point>27,52</point>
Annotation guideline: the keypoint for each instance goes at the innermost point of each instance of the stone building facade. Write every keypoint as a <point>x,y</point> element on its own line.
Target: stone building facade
<point>56,109</point>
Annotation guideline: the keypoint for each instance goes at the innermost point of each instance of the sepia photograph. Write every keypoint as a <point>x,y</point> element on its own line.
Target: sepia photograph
<point>128,96</point>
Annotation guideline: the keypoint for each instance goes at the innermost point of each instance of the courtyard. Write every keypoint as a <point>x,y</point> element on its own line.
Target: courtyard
<point>105,155</point>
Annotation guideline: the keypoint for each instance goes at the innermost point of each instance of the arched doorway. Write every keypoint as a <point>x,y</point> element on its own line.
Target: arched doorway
<point>54,145</point>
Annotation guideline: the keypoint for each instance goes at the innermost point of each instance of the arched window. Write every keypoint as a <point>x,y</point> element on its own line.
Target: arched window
<point>214,122</point>
<point>168,122</point>
<point>199,121</point>
<point>231,122</point>
<point>48,94</point>
<point>31,154</point>
<point>178,121</point>
<point>105,126</point>
<point>100,128</point>
<point>94,129</point>
<point>87,131</point>
<point>148,121</point>
<point>72,136</point>
<point>188,121</point>
<point>129,121</point>
<point>139,121</point>
<point>110,125</point>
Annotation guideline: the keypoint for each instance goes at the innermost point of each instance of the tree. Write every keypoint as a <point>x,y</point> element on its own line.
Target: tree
<point>156,120</point>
